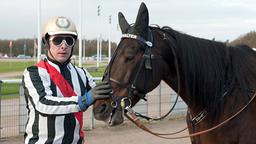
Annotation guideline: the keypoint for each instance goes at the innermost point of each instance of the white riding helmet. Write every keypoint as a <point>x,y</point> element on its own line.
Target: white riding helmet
<point>59,25</point>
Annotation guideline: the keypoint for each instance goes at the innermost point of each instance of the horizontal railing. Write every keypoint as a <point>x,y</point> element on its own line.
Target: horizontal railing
<point>13,110</point>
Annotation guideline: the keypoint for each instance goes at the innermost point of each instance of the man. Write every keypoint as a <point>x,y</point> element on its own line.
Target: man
<point>56,91</point>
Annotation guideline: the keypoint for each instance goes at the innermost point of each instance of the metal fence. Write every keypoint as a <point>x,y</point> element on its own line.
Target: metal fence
<point>13,112</point>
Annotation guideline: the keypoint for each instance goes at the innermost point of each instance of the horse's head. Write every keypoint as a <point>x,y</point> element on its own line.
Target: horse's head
<point>134,70</point>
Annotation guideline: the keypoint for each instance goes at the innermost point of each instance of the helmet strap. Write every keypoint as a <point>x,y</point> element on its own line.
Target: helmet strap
<point>50,53</point>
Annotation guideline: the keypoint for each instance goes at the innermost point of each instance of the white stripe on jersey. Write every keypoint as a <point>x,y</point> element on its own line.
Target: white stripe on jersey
<point>59,131</point>
<point>53,105</point>
<point>43,133</point>
<point>30,123</point>
<point>50,109</point>
<point>85,73</point>
<point>75,80</point>
<point>76,137</point>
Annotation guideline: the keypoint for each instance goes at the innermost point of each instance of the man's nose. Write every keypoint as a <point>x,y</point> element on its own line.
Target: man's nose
<point>63,45</point>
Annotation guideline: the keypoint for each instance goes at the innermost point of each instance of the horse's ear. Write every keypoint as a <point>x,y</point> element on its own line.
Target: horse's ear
<point>123,23</point>
<point>142,20</point>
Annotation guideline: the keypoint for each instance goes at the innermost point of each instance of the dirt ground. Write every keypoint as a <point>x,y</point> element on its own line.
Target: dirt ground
<point>127,134</point>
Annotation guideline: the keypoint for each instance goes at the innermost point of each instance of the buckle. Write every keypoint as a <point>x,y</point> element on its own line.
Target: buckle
<point>126,103</point>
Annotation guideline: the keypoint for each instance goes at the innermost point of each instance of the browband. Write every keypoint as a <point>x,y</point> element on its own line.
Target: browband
<point>132,36</point>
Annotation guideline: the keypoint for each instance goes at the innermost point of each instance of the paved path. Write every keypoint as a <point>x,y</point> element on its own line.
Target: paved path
<point>11,75</point>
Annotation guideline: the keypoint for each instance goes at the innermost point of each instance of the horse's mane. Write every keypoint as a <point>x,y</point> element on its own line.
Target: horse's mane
<point>211,69</point>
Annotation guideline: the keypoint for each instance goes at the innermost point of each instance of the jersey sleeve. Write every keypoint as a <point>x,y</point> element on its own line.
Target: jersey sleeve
<point>37,89</point>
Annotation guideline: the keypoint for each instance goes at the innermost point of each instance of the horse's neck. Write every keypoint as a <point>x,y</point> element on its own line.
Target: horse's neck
<point>173,83</point>
<point>166,46</point>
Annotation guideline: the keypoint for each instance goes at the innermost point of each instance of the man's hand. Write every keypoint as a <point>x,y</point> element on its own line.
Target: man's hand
<point>101,91</point>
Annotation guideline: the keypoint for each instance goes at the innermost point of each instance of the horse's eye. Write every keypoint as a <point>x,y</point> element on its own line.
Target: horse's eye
<point>129,57</point>
<point>130,54</point>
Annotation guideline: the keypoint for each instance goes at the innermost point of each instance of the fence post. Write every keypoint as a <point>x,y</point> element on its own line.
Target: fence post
<point>0,108</point>
<point>22,110</point>
<point>92,118</point>
<point>147,103</point>
<point>159,99</point>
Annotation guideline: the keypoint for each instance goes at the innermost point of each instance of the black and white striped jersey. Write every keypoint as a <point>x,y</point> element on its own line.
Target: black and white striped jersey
<point>51,117</point>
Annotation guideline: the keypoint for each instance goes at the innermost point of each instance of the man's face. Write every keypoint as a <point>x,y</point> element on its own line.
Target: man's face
<point>60,47</point>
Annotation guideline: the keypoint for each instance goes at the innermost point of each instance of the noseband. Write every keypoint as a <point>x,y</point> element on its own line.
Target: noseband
<point>125,101</point>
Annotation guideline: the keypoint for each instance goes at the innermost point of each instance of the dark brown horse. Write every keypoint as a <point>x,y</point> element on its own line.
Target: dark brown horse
<point>215,80</point>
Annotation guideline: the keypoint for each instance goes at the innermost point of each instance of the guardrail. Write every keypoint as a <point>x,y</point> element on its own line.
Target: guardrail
<point>13,112</point>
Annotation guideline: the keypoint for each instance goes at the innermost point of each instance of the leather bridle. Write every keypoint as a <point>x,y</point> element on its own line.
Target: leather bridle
<point>125,101</point>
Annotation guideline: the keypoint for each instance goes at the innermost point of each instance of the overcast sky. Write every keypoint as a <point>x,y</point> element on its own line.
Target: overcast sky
<point>222,19</point>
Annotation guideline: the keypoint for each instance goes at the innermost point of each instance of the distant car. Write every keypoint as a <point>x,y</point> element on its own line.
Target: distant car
<point>103,57</point>
<point>94,57</point>
<point>22,56</point>
<point>6,56</point>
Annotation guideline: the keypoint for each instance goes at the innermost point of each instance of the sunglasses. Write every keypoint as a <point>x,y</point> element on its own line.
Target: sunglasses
<point>59,40</point>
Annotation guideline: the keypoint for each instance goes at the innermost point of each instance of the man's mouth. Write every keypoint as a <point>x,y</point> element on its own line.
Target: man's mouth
<point>62,54</point>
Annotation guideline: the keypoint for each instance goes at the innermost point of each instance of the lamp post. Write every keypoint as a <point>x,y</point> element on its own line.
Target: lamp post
<point>98,37</point>
<point>80,35</point>
<point>35,48</point>
<point>10,47</point>
<point>39,31</point>
<point>83,42</point>
<point>100,48</point>
<point>24,48</point>
<point>109,41</point>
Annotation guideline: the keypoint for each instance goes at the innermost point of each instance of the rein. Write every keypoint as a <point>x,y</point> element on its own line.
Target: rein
<point>132,117</point>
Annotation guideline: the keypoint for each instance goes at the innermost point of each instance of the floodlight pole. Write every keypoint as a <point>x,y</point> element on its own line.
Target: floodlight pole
<point>100,48</point>
<point>109,41</point>
<point>84,41</point>
<point>39,31</point>
<point>25,47</point>
<point>34,53</point>
<point>80,35</point>
<point>98,38</point>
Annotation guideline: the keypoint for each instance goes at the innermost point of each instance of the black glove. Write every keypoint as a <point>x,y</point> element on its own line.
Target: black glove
<point>100,91</point>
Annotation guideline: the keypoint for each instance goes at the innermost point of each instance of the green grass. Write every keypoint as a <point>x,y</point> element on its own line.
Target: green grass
<point>12,96</point>
<point>10,90</point>
<point>99,72</point>
<point>14,66</point>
